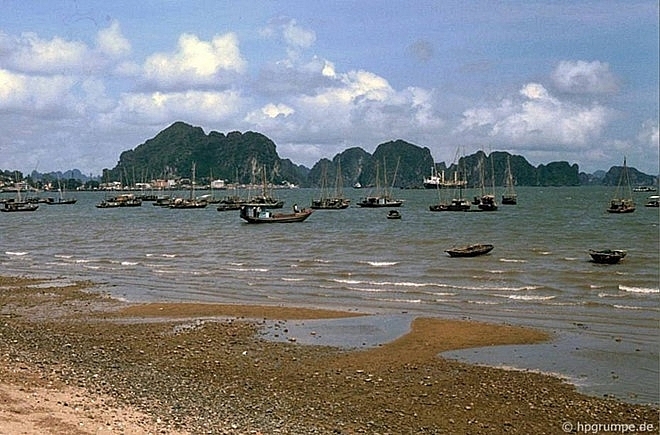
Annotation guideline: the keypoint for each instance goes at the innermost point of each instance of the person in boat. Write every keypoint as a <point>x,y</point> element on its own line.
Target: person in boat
<point>295,208</point>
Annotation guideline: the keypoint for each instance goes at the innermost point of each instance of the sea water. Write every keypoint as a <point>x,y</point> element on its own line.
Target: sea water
<point>603,318</point>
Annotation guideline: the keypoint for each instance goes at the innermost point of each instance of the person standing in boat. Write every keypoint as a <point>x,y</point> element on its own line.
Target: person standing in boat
<point>295,208</point>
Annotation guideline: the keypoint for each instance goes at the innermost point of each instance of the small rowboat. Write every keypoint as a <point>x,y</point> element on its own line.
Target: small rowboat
<point>607,256</point>
<point>470,250</point>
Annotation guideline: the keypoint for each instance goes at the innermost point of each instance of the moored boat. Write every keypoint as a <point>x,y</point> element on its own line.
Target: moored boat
<point>394,214</point>
<point>509,197</point>
<point>622,201</point>
<point>382,196</point>
<point>469,250</point>
<point>16,206</point>
<point>337,201</point>
<point>607,256</point>
<point>653,201</point>
<point>125,200</point>
<point>255,215</point>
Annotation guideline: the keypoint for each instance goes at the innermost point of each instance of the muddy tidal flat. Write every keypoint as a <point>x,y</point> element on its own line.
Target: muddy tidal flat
<point>75,361</point>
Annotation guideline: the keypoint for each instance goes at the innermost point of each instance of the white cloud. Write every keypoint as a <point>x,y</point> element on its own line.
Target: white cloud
<point>273,110</point>
<point>111,42</point>
<point>580,77</point>
<point>195,62</point>
<point>191,106</point>
<point>40,95</point>
<point>296,36</point>
<point>539,119</point>
<point>31,54</point>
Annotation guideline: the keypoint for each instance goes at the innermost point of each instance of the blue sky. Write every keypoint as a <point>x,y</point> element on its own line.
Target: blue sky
<point>82,81</point>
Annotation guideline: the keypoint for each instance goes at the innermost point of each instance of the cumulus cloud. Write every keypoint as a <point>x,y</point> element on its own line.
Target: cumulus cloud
<point>111,42</point>
<point>195,62</point>
<point>159,107</point>
<point>21,93</point>
<point>30,54</point>
<point>538,119</point>
<point>580,77</point>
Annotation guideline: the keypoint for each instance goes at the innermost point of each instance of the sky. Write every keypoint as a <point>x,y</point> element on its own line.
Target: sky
<point>551,80</point>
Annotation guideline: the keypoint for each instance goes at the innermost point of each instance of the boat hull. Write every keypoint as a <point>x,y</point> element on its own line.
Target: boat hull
<point>470,250</point>
<point>607,256</point>
<point>249,215</point>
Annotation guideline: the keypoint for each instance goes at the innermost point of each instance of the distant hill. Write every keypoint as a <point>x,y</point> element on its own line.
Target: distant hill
<point>242,157</point>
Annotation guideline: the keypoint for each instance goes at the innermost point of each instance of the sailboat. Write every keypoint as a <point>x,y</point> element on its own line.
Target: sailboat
<point>509,196</point>
<point>458,203</point>
<point>19,204</point>
<point>327,201</point>
<point>485,202</point>
<point>61,200</point>
<point>382,197</point>
<point>622,201</point>
<point>192,202</point>
<point>266,199</point>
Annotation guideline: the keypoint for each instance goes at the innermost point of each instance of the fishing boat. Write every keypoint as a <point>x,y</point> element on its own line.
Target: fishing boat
<point>653,201</point>
<point>192,202</point>
<point>382,196</point>
<point>622,201</point>
<point>335,201</point>
<point>485,201</point>
<point>607,256</point>
<point>124,200</point>
<point>457,203</point>
<point>509,197</point>
<point>15,206</point>
<point>266,199</point>
<point>256,215</point>
<point>469,250</point>
<point>19,204</point>
<point>61,199</point>
<point>393,214</point>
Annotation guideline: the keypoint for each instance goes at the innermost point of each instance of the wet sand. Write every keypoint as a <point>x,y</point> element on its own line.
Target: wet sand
<point>74,361</point>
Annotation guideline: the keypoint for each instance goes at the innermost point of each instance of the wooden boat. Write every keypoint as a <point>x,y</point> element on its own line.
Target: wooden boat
<point>622,201</point>
<point>61,200</point>
<point>393,214</point>
<point>607,256</point>
<point>382,197</point>
<point>255,215</point>
<point>125,200</point>
<point>469,250</point>
<point>16,206</point>
<point>192,201</point>
<point>266,199</point>
<point>653,201</point>
<point>509,196</point>
<point>19,204</point>
<point>485,201</point>
<point>458,203</point>
<point>335,201</point>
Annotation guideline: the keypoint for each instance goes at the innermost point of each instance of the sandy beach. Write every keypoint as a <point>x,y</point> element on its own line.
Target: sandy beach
<point>75,361</point>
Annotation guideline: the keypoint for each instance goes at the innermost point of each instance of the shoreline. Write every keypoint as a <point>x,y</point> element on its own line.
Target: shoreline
<point>186,368</point>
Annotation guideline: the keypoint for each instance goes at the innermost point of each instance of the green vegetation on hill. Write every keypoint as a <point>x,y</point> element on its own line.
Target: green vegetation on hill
<point>242,157</point>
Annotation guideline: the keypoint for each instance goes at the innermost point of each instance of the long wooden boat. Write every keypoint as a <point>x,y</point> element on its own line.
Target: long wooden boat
<point>607,256</point>
<point>16,206</point>
<point>622,201</point>
<point>470,250</point>
<point>255,215</point>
